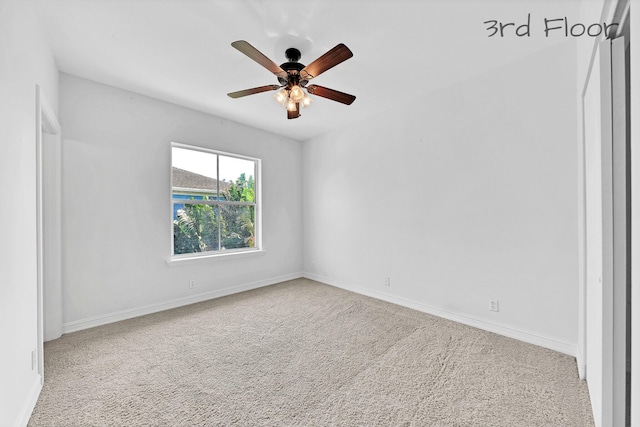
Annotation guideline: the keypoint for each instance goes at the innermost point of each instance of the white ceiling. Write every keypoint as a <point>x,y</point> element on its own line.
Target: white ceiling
<point>179,50</point>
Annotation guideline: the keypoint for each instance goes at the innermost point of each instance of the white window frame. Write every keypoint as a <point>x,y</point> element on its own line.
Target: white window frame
<point>222,253</point>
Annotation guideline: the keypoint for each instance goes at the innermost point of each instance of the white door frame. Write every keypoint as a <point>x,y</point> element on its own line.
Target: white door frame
<point>601,349</point>
<point>619,173</point>
<point>597,230</point>
<point>48,223</point>
<point>635,217</point>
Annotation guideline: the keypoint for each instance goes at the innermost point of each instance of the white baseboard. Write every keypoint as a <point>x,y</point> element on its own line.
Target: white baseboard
<point>498,328</point>
<point>29,403</point>
<point>94,321</point>
<point>581,362</point>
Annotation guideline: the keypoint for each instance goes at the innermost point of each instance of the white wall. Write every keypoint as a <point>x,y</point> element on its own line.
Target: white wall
<point>117,212</point>
<point>459,196</point>
<point>25,60</point>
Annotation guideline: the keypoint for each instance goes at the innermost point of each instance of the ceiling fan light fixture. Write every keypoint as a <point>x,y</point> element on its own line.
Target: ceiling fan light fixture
<point>291,105</point>
<point>296,94</point>
<point>282,97</point>
<point>305,102</point>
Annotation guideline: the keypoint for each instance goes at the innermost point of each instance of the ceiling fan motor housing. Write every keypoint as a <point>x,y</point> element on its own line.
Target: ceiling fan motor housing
<point>293,54</point>
<point>292,67</point>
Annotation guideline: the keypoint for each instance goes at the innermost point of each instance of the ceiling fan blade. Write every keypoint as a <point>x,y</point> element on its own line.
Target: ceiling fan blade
<point>259,57</point>
<point>241,93</point>
<point>295,113</point>
<point>335,56</point>
<point>331,94</point>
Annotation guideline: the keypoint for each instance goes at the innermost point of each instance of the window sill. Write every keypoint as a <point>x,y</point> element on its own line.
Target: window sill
<point>202,259</point>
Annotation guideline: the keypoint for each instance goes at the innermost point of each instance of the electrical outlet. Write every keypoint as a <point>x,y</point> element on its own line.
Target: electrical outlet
<point>192,284</point>
<point>387,281</point>
<point>493,305</point>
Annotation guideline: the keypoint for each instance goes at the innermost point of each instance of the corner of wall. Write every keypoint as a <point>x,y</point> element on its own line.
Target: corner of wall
<point>29,403</point>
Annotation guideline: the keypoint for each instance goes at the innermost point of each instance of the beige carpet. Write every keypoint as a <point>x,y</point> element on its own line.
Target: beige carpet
<point>304,354</point>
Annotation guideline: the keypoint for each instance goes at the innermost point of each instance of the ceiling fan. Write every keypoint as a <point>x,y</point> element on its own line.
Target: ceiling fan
<point>294,77</point>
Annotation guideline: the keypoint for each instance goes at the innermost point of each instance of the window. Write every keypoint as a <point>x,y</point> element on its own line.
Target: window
<point>215,202</point>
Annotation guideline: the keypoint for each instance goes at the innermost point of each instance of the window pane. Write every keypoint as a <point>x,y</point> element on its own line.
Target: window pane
<point>238,178</point>
<point>237,226</point>
<point>213,201</point>
<point>195,228</point>
<point>194,174</point>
